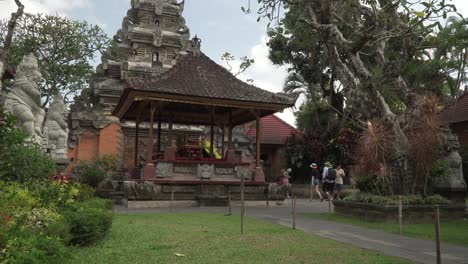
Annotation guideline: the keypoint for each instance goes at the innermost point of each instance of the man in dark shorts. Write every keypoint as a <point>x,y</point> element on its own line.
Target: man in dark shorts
<point>329,181</point>
<point>315,181</point>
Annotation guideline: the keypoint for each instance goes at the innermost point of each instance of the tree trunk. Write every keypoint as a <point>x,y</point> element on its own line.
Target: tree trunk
<point>8,39</point>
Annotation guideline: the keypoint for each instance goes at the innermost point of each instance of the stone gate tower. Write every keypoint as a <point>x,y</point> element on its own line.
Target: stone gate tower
<point>152,37</point>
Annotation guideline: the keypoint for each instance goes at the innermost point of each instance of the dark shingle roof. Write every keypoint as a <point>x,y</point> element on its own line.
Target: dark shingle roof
<point>200,76</point>
<point>456,112</point>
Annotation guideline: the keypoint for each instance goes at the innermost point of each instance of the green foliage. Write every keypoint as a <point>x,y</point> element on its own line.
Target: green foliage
<point>100,169</point>
<point>64,48</point>
<point>19,160</point>
<point>394,199</point>
<point>37,220</point>
<point>89,221</point>
<point>28,246</point>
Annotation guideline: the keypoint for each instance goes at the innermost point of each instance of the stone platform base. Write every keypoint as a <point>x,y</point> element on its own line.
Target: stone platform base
<point>159,204</point>
<point>185,204</point>
<point>151,194</point>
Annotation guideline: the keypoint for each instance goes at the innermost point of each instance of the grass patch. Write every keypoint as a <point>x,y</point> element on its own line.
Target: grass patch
<point>213,238</point>
<point>455,232</point>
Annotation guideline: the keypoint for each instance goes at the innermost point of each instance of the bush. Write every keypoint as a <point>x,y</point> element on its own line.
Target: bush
<point>97,171</point>
<point>29,246</point>
<point>19,160</point>
<point>394,200</point>
<point>89,221</point>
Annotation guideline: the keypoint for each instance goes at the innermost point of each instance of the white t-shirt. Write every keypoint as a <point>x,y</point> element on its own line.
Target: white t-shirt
<point>325,172</point>
<point>339,176</point>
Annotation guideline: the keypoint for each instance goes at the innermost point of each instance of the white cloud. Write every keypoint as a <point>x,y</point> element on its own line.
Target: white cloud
<point>266,75</point>
<point>42,6</point>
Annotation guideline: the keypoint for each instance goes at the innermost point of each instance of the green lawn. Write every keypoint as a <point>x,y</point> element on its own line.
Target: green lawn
<point>453,232</point>
<point>213,238</point>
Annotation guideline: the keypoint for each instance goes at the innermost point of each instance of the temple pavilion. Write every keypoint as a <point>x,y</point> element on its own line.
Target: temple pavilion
<point>197,91</point>
<point>166,111</point>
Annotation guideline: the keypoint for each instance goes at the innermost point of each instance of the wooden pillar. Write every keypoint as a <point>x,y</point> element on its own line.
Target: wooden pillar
<point>159,131</point>
<point>212,133</point>
<point>222,140</point>
<point>230,147</point>
<point>149,154</point>
<point>258,139</point>
<point>137,140</point>
<point>169,136</point>
<point>259,174</point>
<point>149,171</point>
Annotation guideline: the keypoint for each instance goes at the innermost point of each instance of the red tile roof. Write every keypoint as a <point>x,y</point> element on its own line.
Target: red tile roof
<point>274,130</point>
<point>457,112</point>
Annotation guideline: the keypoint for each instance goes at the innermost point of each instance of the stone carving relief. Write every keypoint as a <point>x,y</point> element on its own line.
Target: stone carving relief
<point>243,171</point>
<point>205,171</point>
<point>57,128</point>
<point>164,170</point>
<point>224,171</point>
<point>157,37</point>
<point>185,169</point>
<point>158,7</point>
<point>24,99</point>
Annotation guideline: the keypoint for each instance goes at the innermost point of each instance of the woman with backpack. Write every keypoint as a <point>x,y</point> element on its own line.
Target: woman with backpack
<point>329,177</point>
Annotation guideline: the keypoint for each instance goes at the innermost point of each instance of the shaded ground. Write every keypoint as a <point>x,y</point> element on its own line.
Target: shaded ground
<point>455,232</point>
<point>215,238</point>
<point>417,250</point>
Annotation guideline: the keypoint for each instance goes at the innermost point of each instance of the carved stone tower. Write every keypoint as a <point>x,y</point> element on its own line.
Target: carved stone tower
<point>152,37</point>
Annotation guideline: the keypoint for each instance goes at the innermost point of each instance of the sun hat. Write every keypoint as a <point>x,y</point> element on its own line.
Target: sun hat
<point>328,164</point>
<point>313,165</point>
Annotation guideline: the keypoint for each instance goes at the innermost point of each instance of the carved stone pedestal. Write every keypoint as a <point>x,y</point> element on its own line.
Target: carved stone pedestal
<point>61,165</point>
<point>149,172</point>
<point>259,174</point>
<point>170,153</point>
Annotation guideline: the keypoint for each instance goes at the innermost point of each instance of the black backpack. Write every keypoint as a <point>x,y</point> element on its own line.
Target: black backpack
<point>331,176</point>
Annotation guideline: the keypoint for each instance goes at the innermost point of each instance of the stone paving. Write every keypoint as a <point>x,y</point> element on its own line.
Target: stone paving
<point>417,250</point>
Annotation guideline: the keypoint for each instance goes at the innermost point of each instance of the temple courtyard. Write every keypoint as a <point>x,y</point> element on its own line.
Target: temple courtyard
<point>208,235</point>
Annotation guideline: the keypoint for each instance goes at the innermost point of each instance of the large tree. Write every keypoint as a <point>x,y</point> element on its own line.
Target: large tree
<point>367,46</point>
<point>65,49</point>
<point>8,39</point>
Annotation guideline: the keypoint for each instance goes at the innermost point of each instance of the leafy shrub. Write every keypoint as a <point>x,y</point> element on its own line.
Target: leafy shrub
<point>56,195</point>
<point>97,171</point>
<point>85,192</point>
<point>394,200</point>
<point>46,221</point>
<point>14,197</point>
<point>28,246</point>
<point>20,160</point>
<point>89,221</point>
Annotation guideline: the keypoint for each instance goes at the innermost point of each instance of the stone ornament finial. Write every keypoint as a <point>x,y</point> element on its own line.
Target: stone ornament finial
<point>57,127</point>
<point>24,99</point>
<point>196,45</point>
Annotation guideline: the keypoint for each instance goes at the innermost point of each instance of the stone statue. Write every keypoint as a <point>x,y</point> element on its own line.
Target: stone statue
<point>57,127</point>
<point>24,99</point>
<point>453,185</point>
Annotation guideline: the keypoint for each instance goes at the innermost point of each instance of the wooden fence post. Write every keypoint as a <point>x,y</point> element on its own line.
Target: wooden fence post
<point>242,204</point>
<point>437,233</point>
<point>400,214</point>
<point>294,212</point>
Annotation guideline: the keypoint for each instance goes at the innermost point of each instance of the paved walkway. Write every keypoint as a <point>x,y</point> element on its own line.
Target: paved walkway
<point>417,250</point>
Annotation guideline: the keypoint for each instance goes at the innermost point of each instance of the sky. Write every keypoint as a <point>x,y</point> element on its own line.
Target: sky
<point>221,25</point>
